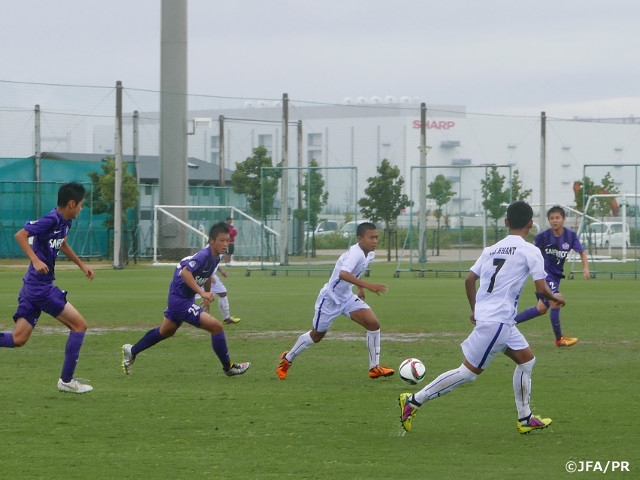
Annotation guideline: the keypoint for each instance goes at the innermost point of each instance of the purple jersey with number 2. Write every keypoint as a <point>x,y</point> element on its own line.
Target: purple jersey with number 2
<point>201,265</point>
<point>555,250</point>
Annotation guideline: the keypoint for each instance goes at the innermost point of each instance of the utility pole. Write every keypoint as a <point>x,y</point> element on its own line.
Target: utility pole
<point>543,170</point>
<point>221,150</point>
<point>284,196</point>
<point>38,166</point>
<point>117,194</point>
<point>422,188</point>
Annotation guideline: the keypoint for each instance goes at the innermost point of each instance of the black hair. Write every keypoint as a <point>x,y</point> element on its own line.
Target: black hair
<point>364,227</point>
<point>556,209</point>
<point>70,191</point>
<point>519,214</point>
<point>217,229</point>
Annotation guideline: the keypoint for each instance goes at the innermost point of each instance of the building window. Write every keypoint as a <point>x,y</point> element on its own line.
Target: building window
<point>314,139</point>
<point>215,141</point>
<point>314,155</point>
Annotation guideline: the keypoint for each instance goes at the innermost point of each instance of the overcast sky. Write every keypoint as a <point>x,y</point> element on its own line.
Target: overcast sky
<point>566,57</point>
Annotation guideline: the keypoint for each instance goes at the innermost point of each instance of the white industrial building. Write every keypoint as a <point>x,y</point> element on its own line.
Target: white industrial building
<point>363,132</point>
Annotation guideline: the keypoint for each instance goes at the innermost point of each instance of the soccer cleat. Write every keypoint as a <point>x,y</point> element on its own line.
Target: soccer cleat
<point>73,386</point>
<point>237,369</point>
<point>283,366</point>
<point>535,422</point>
<point>407,411</point>
<point>380,371</point>
<point>566,342</point>
<point>127,358</point>
<point>231,320</point>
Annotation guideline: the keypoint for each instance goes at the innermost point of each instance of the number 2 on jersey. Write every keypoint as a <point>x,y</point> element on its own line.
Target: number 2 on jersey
<point>498,263</point>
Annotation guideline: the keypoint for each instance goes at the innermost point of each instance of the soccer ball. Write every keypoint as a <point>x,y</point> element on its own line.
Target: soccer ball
<point>412,371</point>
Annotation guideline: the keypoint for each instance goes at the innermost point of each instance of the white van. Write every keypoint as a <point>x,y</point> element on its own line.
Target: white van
<point>605,235</point>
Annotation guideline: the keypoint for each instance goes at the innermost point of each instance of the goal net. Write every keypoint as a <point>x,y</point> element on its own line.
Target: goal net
<point>180,231</point>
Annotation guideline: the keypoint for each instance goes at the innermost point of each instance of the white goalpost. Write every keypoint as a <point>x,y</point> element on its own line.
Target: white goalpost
<point>179,231</point>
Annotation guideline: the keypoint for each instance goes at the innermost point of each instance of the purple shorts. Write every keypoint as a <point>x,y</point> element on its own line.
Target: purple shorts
<point>183,310</point>
<point>554,285</point>
<point>35,299</point>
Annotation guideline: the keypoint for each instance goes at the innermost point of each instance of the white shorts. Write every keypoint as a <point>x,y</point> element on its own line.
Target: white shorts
<point>327,310</point>
<point>217,287</point>
<point>489,338</point>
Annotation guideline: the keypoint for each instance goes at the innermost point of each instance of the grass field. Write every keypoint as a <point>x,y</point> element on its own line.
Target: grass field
<point>178,416</point>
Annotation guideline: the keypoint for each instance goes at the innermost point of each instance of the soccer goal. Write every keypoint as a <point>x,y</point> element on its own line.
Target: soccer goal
<point>180,231</point>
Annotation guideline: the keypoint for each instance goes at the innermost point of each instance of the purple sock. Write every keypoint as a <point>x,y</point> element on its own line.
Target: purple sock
<point>6,340</point>
<point>528,314</point>
<point>147,341</point>
<point>219,343</point>
<point>555,322</point>
<point>71,355</point>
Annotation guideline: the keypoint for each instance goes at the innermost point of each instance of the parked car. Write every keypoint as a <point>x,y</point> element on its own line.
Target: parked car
<point>605,235</point>
<point>349,229</point>
<point>325,227</point>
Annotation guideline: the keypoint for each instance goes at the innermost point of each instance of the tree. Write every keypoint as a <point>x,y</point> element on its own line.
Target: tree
<point>101,198</point>
<point>384,200</point>
<point>495,199</point>
<point>440,192</point>
<point>517,193</point>
<point>601,207</point>
<point>259,186</point>
<point>314,198</point>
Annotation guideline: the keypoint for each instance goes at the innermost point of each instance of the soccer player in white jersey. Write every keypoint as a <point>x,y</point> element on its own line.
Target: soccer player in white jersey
<point>337,297</point>
<point>218,288</point>
<point>502,270</point>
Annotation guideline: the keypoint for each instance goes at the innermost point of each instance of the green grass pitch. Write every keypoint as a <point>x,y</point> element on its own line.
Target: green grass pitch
<point>178,416</point>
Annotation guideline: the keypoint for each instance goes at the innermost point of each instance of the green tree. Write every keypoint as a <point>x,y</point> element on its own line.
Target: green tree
<point>384,199</point>
<point>517,191</point>
<point>260,187</point>
<point>314,197</point>
<point>101,197</point>
<point>600,207</point>
<point>440,192</point>
<point>495,199</point>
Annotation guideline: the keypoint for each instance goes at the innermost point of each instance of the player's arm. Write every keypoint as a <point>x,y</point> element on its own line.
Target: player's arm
<point>585,265</point>
<point>22,238</point>
<point>543,289</point>
<point>188,278</point>
<point>376,288</point>
<point>470,288</point>
<point>71,255</point>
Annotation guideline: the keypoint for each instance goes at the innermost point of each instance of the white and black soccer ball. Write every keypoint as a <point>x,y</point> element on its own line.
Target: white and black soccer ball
<point>412,371</point>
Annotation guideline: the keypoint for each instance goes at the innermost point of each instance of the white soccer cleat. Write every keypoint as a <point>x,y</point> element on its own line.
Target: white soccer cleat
<point>73,386</point>
<point>127,358</point>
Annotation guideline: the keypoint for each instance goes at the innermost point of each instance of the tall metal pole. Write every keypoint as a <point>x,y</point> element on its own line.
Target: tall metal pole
<point>173,118</point>
<point>422,188</point>
<point>284,197</point>
<point>300,227</point>
<point>117,194</point>
<point>543,170</point>
<point>38,166</point>
<point>222,152</point>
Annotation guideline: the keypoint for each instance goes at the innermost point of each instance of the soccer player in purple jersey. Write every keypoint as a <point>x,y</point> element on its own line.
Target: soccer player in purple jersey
<point>41,240</point>
<point>192,276</point>
<point>555,244</point>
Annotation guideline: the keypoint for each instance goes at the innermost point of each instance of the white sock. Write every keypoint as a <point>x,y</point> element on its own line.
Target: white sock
<point>522,388</point>
<point>373,344</point>
<point>223,303</point>
<point>304,341</point>
<point>445,383</point>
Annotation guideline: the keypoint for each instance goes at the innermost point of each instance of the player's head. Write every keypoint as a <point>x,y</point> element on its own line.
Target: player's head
<point>556,209</point>
<point>364,227</point>
<point>229,220</point>
<point>519,214</point>
<point>217,229</point>
<point>70,192</point>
